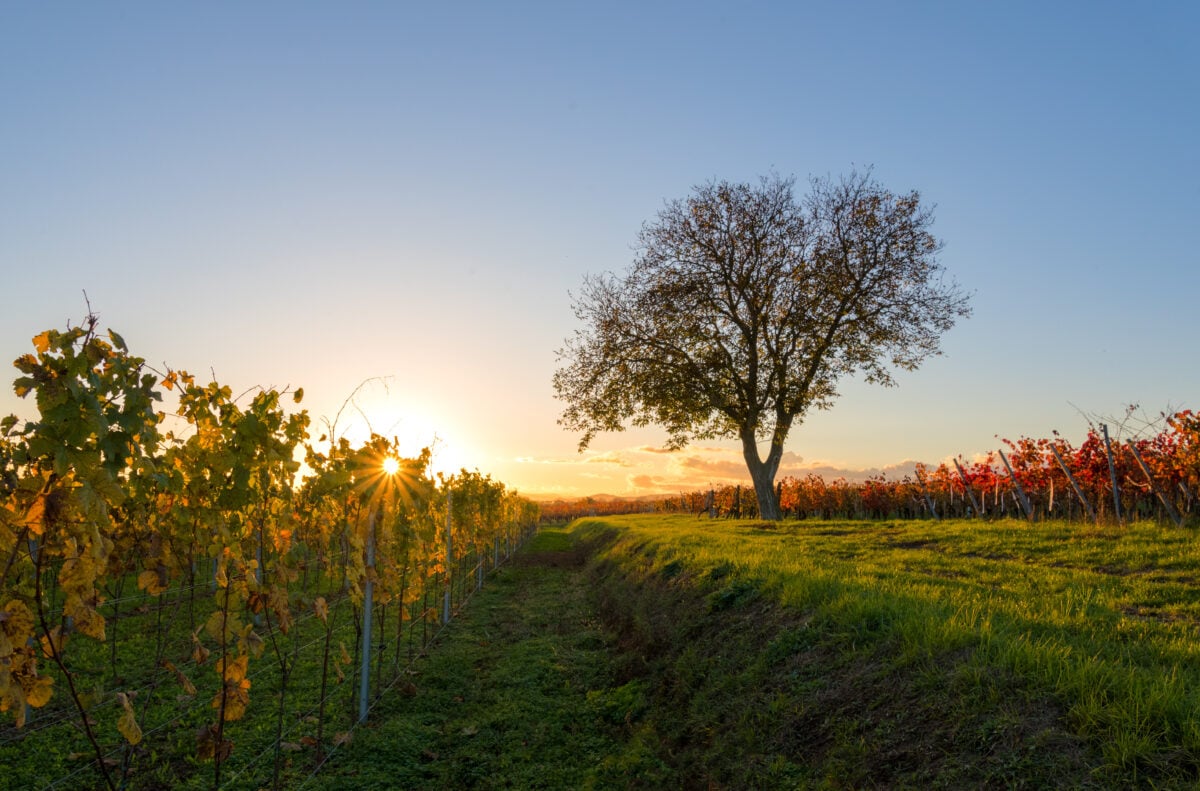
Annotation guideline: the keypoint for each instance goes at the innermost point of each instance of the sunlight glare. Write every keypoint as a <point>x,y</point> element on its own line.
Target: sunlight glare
<point>414,423</point>
<point>391,465</point>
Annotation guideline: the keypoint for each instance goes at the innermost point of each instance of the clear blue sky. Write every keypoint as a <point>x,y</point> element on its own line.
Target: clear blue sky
<point>317,194</point>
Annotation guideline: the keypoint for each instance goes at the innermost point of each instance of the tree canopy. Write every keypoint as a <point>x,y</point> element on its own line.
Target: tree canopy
<point>744,307</point>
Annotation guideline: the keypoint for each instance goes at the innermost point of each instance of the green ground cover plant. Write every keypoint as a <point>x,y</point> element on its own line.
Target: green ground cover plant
<point>516,694</point>
<point>147,633</point>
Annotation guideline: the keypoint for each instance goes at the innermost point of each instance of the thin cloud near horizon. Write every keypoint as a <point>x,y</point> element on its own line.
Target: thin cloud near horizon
<point>649,471</point>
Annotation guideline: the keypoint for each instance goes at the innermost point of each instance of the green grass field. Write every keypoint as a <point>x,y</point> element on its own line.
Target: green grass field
<point>1012,651</point>
<point>513,695</point>
<point>674,652</point>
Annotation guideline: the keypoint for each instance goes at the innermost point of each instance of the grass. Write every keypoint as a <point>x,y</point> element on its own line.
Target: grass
<point>696,654</point>
<point>993,653</point>
<point>515,695</point>
<point>675,652</point>
<point>52,752</point>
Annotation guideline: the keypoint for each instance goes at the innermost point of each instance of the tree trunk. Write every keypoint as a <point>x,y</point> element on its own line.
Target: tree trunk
<point>763,475</point>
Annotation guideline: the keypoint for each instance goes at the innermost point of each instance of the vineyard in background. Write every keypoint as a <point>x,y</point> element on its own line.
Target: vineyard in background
<point>184,609</point>
<point>1154,476</point>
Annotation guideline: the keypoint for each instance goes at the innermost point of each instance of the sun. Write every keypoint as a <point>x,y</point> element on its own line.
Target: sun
<point>391,465</point>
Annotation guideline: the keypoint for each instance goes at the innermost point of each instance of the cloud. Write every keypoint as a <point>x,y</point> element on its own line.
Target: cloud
<point>643,470</point>
<point>610,457</point>
<point>790,458</point>
<point>654,450</point>
<point>831,471</point>
<point>545,493</point>
<point>715,468</point>
<point>900,469</point>
<point>642,482</point>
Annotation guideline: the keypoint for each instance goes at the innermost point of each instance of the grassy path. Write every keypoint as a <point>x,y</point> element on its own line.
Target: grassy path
<point>694,655</point>
<point>501,702</point>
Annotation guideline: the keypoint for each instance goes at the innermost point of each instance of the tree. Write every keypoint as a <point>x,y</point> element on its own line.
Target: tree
<point>743,308</point>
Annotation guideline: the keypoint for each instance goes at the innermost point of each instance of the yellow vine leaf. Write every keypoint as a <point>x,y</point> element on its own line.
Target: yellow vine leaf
<point>87,620</point>
<point>150,582</point>
<point>321,607</point>
<point>16,619</point>
<point>78,573</point>
<point>282,540</point>
<point>38,691</point>
<point>35,516</point>
<point>42,342</point>
<point>233,670</point>
<point>237,699</point>
<point>127,724</point>
<point>215,624</point>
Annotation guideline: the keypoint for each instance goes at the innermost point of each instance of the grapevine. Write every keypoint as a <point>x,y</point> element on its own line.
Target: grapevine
<point>244,566</point>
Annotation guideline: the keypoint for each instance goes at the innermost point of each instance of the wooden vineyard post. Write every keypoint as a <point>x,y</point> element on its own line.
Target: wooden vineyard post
<point>34,549</point>
<point>1074,484</point>
<point>1112,473</point>
<point>925,494</point>
<point>364,681</point>
<point>449,561</point>
<point>1162,498</point>
<point>967,487</point>
<point>1023,499</point>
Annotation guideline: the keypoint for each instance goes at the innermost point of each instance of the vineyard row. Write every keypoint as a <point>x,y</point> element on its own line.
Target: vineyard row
<point>151,579</point>
<point>1149,477</point>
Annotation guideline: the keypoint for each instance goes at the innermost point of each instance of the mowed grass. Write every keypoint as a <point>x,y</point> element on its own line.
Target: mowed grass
<point>674,652</point>
<point>502,700</point>
<point>1015,653</point>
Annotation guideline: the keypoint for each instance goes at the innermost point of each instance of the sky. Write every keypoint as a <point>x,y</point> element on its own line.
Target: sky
<point>390,204</point>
